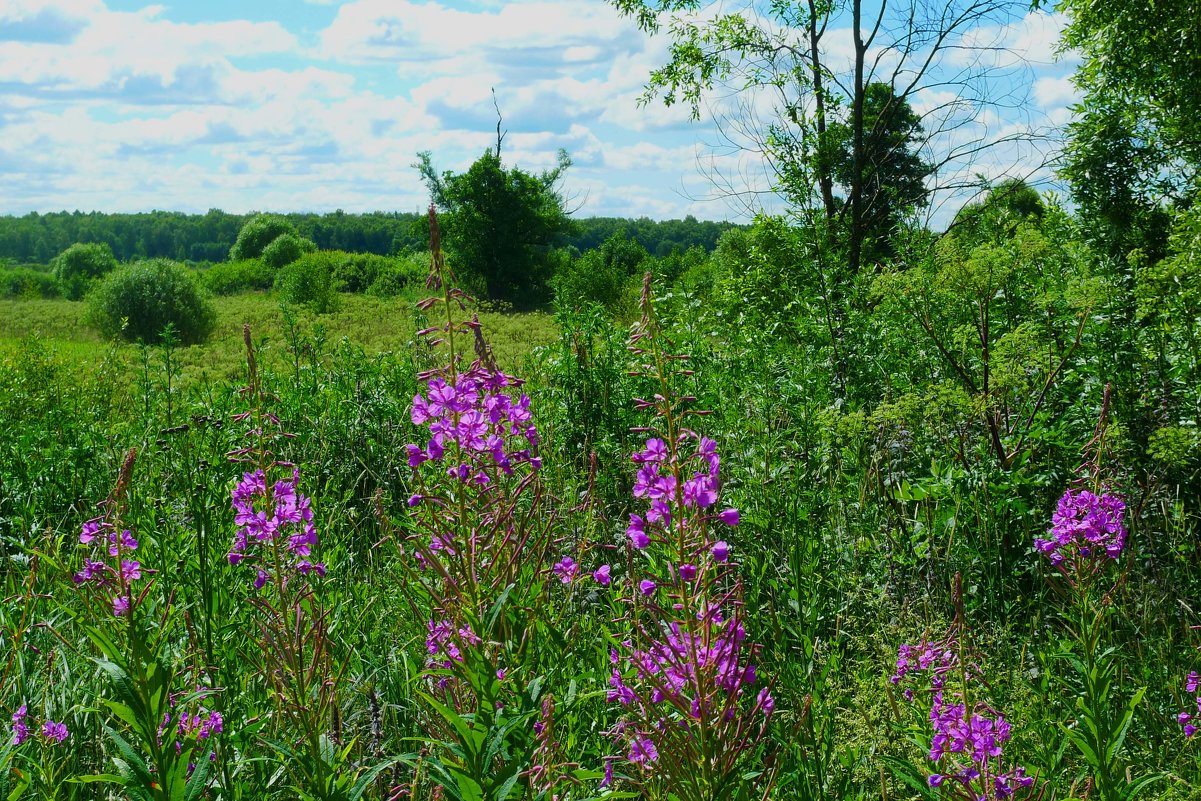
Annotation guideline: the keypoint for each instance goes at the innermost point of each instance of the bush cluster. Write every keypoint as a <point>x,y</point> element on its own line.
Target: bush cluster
<point>138,301</point>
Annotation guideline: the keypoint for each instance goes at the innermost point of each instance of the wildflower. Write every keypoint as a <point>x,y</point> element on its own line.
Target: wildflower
<point>729,516</point>
<point>637,532</point>
<point>642,750</point>
<point>601,575</point>
<point>687,572</point>
<point>646,586</point>
<point>269,513</point>
<point>20,727</point>
<point>1085,526</point>
<point>1188,719</point>
<point>566,570</point>
<point>721,551</point>
<point>55,732</point>
<point>965,744</point>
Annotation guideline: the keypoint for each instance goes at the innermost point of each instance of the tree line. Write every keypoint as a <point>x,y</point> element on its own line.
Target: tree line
<point>38,238</point>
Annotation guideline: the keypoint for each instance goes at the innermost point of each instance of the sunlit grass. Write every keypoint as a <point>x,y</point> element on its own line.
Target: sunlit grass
<point>378,325</point>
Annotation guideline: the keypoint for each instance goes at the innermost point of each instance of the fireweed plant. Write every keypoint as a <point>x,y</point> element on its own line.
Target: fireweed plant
<point>164,735</point>
<point>274,544</point>
<point>476,552</point>
<point>693,713</point>
<point>943,684</point>
<point>33,755</point>
<point>1086,540</point>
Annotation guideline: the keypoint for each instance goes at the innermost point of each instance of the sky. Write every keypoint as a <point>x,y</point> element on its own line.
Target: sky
<point>318,105</point>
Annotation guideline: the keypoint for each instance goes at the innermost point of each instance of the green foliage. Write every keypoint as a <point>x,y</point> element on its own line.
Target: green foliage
<point>285,249</point>
<point>610,276</point>
<point>892,180</point>
<point>1004,304</point>
<point>501,224</point>
<point>379,275</point>
<point>25,282</point>
<point>259,232</point>
<point>138,301</point>
<point>1135,145</point>
<point>309,281</point>
<point>77,267</point>
<point>232,277</point>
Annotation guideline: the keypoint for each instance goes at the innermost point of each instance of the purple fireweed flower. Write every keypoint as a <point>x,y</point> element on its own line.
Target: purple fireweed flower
<point>730,517</point>
<point>965,744</point>
<point>55,732</point>
<point>601,575</point>
<point>120,606</point>
<point>566,570</point>
<point>721,551</point>
<point>272,513</point>
<point>20,727</point>
<point>1189,720</point>
<point>642,750</point>
<point>479,414</point>
<point>1085,526</point>
<point>687,572</point>
<point>637,532</point>
<point>647,587</point>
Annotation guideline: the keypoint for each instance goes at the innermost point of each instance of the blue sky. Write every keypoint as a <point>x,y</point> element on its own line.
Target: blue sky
<point>289,105</point>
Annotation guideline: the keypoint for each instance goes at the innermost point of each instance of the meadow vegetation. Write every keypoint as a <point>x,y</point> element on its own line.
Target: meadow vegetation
<point>828,506</point>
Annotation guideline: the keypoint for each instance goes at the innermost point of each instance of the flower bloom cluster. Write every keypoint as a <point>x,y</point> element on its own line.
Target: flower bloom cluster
<point>480,420</point>
<point>965,745</point>
<point>269,513</point>
<point>935,658</point>
<point>1085,526</point>
<point>193,727</point>
<point>114,575</point>
<point>53,733</point>
<point>691,662</point>
<point>1189,720</point>
<point>658,485</point>
<point>700,672</point>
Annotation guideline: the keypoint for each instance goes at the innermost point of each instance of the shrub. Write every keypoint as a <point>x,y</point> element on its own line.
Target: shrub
<point>354,272</point>
<point>607,276</point>
<point>285,249</point>
<point>23,282</point>
<point>398,274</point>
<point>309,281</point>
<point>231,277</point>
<point>78,267</point>
<point>139,300</point>
<point>259,232</point>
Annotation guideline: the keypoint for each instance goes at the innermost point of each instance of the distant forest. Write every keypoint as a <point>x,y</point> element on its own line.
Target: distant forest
<point>38,238</point>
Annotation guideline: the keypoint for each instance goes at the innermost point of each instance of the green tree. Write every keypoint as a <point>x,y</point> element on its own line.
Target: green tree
<point>1135,145</point>
<point>832,127</point>
<point>138,301</point>
<point>77,267</point>
<point>892,175</point>
<point>259,232</point>
<point>285,249</point>
<point>605,276</point>
<point>501,224</point>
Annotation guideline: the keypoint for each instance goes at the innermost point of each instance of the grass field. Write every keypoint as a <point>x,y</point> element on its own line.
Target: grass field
<point>377,325</point>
